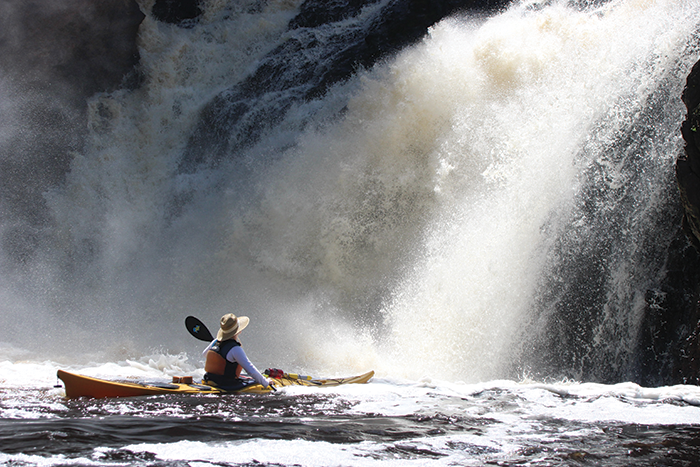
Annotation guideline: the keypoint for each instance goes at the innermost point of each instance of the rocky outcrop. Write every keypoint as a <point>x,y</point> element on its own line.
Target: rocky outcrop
<point>688,175</point>
<point>181,12</point>
<point>667,349</point>
<point>314,57</point>
<point>688,165</point>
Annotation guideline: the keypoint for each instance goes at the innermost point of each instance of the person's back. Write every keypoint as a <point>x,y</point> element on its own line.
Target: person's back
<point>225,358</point>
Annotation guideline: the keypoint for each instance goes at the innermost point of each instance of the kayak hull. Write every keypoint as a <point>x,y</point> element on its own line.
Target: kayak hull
<point>77,385</point>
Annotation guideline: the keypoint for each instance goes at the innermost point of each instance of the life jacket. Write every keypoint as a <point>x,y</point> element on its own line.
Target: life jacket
<point>217,364</point>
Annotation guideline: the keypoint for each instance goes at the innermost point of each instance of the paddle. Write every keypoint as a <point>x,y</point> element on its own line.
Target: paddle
<point>198,329</point>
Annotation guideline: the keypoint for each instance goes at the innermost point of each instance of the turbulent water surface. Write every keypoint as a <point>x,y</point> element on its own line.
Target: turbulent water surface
<point>386,421</point>
<point>483,217</point>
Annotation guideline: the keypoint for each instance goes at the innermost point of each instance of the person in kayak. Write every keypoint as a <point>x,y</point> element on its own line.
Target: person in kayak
<point>225,357</point>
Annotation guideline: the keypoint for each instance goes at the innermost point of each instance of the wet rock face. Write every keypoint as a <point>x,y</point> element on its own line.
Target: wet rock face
<point>54,55</point>
<point>315,57</point>
<point>180,12</point>
<point>688,165</point>
<point>688,175</point>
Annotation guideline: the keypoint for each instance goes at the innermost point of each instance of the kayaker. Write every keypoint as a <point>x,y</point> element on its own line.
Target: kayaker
<point>225,357</point>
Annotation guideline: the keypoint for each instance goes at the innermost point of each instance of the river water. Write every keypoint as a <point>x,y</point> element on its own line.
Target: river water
<point>385,422</point>
<point>483,218</point>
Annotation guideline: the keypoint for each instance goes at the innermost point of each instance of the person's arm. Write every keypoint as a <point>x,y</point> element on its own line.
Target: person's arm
<point>239,356</point>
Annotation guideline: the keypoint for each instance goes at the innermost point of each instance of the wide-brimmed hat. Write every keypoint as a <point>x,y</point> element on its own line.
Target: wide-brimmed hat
<point>231,325</point>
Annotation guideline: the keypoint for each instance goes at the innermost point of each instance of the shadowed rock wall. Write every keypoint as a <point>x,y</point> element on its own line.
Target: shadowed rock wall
<point>688,174</point>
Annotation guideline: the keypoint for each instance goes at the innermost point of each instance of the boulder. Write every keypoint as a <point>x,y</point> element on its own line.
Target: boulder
<point>181,12</point>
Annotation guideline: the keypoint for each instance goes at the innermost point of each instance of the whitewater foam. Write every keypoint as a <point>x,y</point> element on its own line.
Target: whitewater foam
<point>430,218</point>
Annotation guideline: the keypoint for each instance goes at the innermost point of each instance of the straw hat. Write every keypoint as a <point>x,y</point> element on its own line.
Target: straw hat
<point>231,325</point>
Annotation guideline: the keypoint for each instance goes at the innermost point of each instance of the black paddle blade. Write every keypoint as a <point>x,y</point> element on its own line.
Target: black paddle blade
<point>198,329</point>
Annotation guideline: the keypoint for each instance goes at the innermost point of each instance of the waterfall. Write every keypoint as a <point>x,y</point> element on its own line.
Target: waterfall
<point>495,200</point>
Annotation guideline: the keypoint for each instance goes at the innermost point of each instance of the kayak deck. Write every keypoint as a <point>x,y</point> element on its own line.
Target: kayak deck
<point>77,385</point>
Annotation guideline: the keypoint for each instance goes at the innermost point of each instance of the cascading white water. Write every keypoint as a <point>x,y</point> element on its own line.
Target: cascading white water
<point>409,235</point>
<point>551,91</point>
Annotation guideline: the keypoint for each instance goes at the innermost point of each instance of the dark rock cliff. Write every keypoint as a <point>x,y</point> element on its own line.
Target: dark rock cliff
<point>688,165</point>
<point>688,174</point>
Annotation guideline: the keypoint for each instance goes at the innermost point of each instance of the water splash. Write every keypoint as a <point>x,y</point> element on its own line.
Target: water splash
<point>420,218</point>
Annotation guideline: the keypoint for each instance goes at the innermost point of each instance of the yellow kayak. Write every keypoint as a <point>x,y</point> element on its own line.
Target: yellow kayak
<point>85,386</point>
